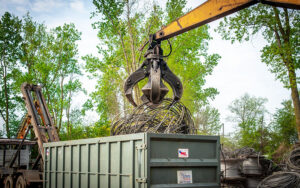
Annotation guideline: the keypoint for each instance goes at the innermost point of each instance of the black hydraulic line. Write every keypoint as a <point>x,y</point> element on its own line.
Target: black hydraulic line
<point>18,150</point>
<point>36,162</point>
<point>4,153</point>
<point>223,160</point>
<point>281,4</point>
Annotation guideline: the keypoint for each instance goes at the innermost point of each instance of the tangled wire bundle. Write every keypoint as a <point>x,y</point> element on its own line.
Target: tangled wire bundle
<point>281,180</point>
<point>242,153</point>
<point>293,160</point>
<point>245,152</point>
<point>169,117</point>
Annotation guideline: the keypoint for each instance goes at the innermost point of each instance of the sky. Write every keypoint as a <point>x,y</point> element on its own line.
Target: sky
<point>239,70</point>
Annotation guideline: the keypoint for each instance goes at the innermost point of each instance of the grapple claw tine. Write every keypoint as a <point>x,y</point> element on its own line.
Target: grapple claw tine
<point>156,69</point>
<point>173,81</point>
<point>133,79</point>
<point>154,91</point>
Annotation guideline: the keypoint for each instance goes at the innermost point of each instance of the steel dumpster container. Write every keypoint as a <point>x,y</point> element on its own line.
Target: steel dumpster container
<point>140,160</point>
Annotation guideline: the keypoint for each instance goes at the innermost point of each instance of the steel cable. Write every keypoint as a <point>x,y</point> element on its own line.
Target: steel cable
<point>169,117</point>
<point>293,160</point>
<point>281,180</point>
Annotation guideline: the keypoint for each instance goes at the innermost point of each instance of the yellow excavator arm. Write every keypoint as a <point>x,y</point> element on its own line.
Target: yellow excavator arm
<point>212,10</point>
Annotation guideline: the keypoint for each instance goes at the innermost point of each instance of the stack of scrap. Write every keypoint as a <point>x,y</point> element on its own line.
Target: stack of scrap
<point>245,152</point>
<point>281,180</point>
<point>288,178</point>
<point>293,160</point>
<point>168,117</point>
<point>243,168</point>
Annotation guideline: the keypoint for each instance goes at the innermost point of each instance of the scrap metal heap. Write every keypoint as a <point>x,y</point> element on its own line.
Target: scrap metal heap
<point>289,175</point>
<point>247,168</point>
<point>168,117</point>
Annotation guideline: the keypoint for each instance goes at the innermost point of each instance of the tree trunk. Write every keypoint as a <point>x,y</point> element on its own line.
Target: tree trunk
<point>61,103</point>
<point>288,61</point>
<point>295,98</point>
<point>6,104</point>
<point>68,114</point>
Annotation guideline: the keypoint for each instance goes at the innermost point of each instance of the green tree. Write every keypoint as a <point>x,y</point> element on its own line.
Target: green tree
<point>284,132</point>
<point>284,124</point>
<point>249,113</point>
<point>208,121</point>
<point>33,41</point>
<point>190,60</point>
<point>10,42</point>
<point>66,54</point>
<point>280,28</point>
<point>30,53</point>
<point>78,130</point>
<point>71,88</point>
<point>51,59</point>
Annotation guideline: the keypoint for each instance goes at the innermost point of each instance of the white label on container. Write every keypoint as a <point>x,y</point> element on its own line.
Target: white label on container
<point>184,177</point>
<point>183,153</point>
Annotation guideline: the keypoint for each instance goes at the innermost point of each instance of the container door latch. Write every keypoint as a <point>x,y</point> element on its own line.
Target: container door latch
<point>141,146</point>
<point>141,180</point>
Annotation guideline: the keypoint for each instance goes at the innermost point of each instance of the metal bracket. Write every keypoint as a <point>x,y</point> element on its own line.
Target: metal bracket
<point>141,146</point>
<point>141,180</point>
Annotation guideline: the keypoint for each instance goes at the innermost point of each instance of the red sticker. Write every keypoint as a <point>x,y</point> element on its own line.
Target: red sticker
<point>183,153</point>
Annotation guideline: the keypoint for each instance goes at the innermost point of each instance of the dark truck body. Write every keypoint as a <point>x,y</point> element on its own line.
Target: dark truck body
<point>21,166</point>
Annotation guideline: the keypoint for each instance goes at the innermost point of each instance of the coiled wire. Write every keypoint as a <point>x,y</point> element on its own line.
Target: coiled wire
<point>281,180</point>
<point>293,160</point>
<point>169,117</point>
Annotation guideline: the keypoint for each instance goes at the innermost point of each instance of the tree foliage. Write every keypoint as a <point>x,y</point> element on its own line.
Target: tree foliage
<point>208,121</point>
<point>75,128</point>
<point>30,53</point>
<point>283,131</point>
<point>249,114</point>
<point>280,28</point>
<point>10,49</point>
<point>284,124</point>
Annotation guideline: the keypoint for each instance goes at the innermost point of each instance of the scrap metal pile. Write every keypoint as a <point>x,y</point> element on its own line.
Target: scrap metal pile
<point>281,180</point>
<point>293,160</point>
<point>243,168</point>
<point>289,176</point>
<point>246,168</point>
<point>168,117</point>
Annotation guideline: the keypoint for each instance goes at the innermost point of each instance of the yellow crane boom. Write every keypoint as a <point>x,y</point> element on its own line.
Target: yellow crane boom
<point>212,10</point>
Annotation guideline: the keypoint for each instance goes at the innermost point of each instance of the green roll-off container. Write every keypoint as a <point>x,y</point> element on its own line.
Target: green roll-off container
<point>143,160</point>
